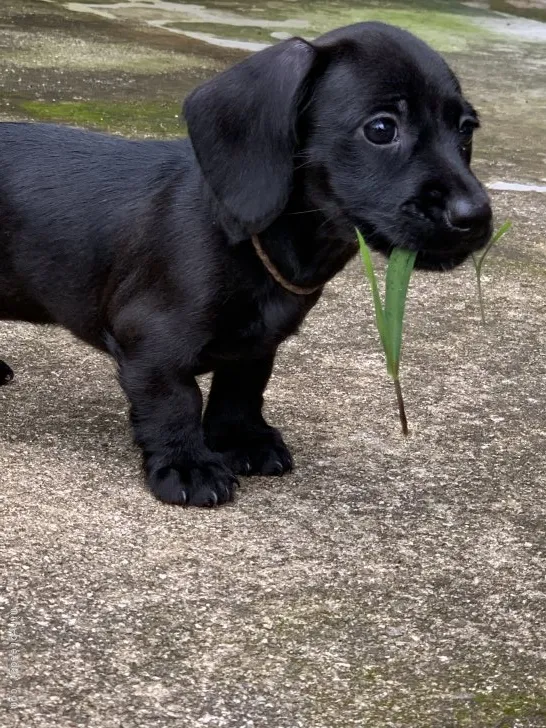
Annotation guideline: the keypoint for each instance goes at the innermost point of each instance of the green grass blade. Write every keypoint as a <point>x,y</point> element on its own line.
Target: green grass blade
<point>504,228</point>
<point>480,298</point>
<point>399,271</point>
<point>390,318</point>
<point>478,263</point>
<point>378,305</point>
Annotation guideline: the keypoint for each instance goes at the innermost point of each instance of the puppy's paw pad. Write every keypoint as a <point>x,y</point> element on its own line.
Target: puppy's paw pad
<point>6,373</point>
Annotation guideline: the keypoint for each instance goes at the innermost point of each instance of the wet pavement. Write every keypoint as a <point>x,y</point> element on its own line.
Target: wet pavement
<point>383,583</point>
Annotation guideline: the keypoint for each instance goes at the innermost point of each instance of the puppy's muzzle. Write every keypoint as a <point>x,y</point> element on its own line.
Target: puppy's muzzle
<point>469,218</point>
<point>450,224</point>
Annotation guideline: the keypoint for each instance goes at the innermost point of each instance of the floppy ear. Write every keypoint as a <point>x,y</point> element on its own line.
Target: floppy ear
<point>242,125</point>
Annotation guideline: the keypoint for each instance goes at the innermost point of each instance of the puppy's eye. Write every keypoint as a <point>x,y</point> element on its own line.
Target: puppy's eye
<point>381,130</point>
<point>466,130</point>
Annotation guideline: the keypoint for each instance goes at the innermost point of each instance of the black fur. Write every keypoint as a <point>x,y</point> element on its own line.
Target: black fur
<point>141,248</point>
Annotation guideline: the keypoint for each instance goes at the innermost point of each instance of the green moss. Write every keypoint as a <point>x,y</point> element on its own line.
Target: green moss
<point>42,50</point>
<point>435,22</point>
<point>444,30</point>
<point>501,709</point>
<point>237,32</point>
<point>132,119</point>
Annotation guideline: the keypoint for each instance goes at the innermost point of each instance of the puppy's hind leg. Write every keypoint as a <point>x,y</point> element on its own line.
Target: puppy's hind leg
<point>6,373</point>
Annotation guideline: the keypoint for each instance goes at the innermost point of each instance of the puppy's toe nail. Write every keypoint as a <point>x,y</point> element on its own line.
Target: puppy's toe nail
<point>167,487</point>
<point>204,498</point>
<point>226,492</point>
<point>273,467</point>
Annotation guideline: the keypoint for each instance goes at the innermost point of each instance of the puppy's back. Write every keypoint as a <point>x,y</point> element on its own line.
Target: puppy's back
<point>69,200</point>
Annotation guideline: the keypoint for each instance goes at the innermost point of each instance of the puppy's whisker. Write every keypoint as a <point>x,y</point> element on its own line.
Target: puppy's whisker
<point>305,164</point>
<point>335,216</point>
<point>308,212</point>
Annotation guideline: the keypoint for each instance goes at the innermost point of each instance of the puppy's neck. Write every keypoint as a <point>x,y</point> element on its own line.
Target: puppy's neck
<point>277,275</point>
<point>308,245</point>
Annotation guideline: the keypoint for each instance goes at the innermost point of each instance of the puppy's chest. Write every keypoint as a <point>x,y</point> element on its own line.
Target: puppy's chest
<point>250,327</point>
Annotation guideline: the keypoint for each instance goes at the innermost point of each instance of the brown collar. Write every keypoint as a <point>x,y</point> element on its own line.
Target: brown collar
<point>281,280</point>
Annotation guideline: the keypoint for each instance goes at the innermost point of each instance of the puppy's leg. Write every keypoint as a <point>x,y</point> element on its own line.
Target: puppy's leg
<point>166,416</point>
<point>6,373</point>
<point>234,425</point>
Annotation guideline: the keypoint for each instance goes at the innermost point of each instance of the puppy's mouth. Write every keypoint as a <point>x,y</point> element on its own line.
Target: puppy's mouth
<point>440,246</point>
<point>441,252</point>
<point>445,255</point>
<point>438,261</point>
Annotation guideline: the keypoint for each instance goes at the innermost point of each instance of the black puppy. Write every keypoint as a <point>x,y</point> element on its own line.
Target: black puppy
<point>204,254</point>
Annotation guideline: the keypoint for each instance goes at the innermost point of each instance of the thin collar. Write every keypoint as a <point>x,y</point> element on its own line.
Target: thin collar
<point>281,280</point>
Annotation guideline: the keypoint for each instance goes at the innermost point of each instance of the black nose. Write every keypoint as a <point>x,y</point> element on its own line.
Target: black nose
<point>467,214</point>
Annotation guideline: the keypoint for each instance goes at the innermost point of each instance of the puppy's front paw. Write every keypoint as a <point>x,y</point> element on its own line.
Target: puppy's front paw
<point>206,484</point>
<point>6,373</point>
<point>256,453</point>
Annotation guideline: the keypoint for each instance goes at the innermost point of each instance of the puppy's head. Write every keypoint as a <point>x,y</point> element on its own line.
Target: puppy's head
<point>376,124</point>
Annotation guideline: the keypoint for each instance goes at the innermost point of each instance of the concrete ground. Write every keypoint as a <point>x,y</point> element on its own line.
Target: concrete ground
<point>385,583</point>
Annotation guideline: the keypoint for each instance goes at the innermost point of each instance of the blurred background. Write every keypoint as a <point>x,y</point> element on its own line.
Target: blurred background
<point>126,66</point>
